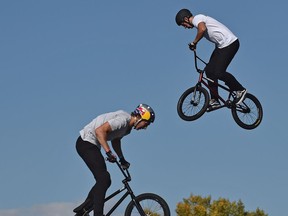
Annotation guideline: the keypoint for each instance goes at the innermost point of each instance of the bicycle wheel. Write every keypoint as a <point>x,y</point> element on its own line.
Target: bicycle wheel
<point>249,113</point>
<point>152,204</point>
<point>193,103</point>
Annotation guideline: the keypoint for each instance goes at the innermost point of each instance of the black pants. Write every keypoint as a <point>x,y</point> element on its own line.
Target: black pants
<point>93,158</point>
<point>217,66</point>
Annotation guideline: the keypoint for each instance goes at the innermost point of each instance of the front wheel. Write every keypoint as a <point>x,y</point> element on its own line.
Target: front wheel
<point>193,103</point>
<point>152,205</point>
<point>249,113</point>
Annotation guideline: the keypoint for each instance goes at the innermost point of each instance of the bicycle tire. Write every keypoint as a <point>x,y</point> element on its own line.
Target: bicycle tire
<point>193,103</point>
<point>152,204</point>
<point>249,113</point>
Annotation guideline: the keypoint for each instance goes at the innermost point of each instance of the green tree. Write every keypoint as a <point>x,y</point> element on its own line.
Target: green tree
<point>194,206</point>
<point>258,212</point>
<point>203,206</point>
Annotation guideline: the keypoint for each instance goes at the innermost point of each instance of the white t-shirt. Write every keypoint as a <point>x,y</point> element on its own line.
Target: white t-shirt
<point>216,32</point>
<point>119,122</point>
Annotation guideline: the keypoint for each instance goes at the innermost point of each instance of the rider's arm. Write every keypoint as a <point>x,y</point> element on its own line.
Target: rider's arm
<point>102,133</point>
<point>116,144</point>
<point>201,28</point>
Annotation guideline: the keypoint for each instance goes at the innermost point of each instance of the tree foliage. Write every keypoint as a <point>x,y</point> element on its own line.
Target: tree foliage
<point>204,206</point>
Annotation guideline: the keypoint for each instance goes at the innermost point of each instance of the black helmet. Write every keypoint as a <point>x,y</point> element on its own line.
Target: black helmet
<point>181,15</point>
<point>146,112</point>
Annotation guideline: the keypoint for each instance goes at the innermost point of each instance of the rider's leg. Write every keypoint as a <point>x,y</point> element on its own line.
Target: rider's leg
<point>93,158</point>
<point>86,205</point>
<point>210,72</point>
<point>228,54</point>
<point>218,63</point>
<point>231,82</point>
<point>213,89</point>
<point>103,182</point>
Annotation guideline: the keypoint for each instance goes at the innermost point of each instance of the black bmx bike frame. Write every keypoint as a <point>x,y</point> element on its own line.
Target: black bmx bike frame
<point>129,191</point>
<point>204,80</point>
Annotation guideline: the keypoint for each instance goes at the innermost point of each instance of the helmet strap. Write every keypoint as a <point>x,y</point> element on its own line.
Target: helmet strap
<point>137,122</point>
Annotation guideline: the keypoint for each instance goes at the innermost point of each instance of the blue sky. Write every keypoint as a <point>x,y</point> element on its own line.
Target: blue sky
<point>64,62</point>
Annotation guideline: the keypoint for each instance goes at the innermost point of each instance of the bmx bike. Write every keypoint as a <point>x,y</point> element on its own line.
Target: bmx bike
<point>146,204</point>
<point>193,103</point>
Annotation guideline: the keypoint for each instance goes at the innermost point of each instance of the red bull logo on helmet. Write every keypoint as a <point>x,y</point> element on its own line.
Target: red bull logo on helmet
<point>145,114</point>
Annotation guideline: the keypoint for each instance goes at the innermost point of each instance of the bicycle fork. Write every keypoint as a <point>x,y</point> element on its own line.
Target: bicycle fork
<point>196,100</point>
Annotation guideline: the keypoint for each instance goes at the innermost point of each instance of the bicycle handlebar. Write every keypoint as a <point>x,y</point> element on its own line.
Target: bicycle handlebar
<point>125,172</point>
<point>195,60</point>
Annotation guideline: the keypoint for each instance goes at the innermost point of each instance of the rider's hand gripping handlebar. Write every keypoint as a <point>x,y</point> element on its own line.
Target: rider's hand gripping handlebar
<point>111,157</point>
<point>125,172</point>
<point>192,46</point>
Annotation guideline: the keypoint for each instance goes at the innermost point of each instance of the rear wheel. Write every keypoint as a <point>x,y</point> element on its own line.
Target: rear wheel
<point>152,205</point>
<point>249,113</point>
<point>193,103</point>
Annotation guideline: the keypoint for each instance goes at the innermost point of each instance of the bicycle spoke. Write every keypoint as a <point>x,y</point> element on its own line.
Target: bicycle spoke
<point>191,106</point>
<point>193,103</point>
<point>150,207</point>
<point>249,113</point>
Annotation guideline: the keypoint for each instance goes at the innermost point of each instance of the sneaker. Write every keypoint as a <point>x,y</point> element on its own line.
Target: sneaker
<point>82,210</point>
<point>213,104</point>
<point>240,95</point>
